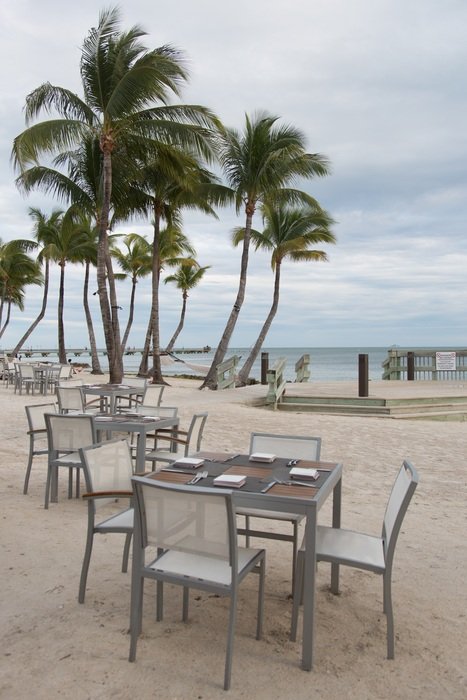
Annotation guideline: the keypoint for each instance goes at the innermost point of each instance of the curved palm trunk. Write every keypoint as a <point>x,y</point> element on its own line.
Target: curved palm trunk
<point>130,315</point>
<point>171,344</point>
<point>108,298</point>
<point>95,364</point>
<point>7,320</point>
<point>143,366</point>
<point>246,369</point>
<point>210,380</point>
<point>61,329</point>
<point>41,314</point>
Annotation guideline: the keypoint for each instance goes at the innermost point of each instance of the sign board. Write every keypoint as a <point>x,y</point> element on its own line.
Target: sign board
<point>445,361</point>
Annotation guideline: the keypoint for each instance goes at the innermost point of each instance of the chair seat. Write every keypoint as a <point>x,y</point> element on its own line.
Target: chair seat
<point>350,548</point>
<point>203,568</point>
<point>271,514</point>
<point>163,455</point>
<point>121,522</point>
<point>72,459</point>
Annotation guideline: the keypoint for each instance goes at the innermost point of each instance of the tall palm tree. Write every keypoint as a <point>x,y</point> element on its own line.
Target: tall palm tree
<point>258,164</point>
<point>135,262</point>
<point>172,246</point>
<point>188,275</point>
<point>289,234</point>
<point>17,270</point>
<point>169,183</point>
<point>122,84</point>
<point>45,229</point>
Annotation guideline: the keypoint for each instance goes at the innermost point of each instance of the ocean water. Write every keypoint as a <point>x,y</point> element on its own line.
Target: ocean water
<point>326,364</point>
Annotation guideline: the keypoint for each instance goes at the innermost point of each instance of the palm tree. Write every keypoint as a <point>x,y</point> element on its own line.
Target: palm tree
<point>170,182</point>
<point>17,270</point>
<point>289,233</point>
<point>188,275</point>
<point>258,164</point>
<point>122,82</point>
<point>45,229</point>
<point>172,245</point>
<point>135,262</point>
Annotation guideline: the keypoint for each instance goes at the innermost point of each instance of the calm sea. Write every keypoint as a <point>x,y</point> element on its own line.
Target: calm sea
<point>327,364</point>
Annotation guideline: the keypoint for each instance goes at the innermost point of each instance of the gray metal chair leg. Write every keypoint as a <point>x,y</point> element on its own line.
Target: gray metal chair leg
<point>28,468</point>
<point>297,595</point>
<point>230,640</point>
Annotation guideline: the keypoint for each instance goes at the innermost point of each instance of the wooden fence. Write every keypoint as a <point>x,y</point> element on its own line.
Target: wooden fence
<point>428,364</point>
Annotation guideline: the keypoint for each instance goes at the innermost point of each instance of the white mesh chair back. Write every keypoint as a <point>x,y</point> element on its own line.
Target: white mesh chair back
<point>35,415</point>
<point>107,467</point>
<point>137,382</point>
<point>185,521</point>
<point>195,433</point>
<point>26,371</point>
<point>153,395</point>
<point>65,372</point>
<point>68,432</point>
<point>159,411</point>
<point>70,398</point>
<point>399,499</point>
<point>70,382</point>
<point>290,446</point>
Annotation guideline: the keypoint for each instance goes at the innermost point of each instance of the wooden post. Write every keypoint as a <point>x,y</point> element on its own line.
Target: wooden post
<point>363,375</point>
<point>264,367</point>
<point>410,366</point>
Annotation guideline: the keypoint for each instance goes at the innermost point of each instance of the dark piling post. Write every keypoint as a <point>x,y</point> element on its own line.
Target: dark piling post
<point>363,375</point>
<point>410,366</point>
<point>264,367</point>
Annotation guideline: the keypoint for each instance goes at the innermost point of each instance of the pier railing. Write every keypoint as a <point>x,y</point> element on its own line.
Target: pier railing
<point>302,368</point>
<point>276,382</point>
<point>427,364</point>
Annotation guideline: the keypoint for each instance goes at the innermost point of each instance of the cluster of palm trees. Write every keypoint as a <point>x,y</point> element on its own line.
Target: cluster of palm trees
<point>124,150</point>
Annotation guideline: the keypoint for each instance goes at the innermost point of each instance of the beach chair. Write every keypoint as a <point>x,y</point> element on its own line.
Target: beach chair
<point>291,447</point>
<point>361,551</point>
<point>186,442</point>
<point>66,433</point>
<point>194,532</point>
<point>107,471</point>
<point>37,432</point>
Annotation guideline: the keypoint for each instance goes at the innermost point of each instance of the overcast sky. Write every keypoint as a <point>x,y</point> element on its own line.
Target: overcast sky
<point>378,86</point>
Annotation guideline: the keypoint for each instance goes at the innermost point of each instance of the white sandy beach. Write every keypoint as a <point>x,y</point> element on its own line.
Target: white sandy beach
<point>52,647</point>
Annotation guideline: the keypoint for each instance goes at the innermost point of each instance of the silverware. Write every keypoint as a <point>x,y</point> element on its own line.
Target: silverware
<point>196,478</point>
<point>295,483</point>
<point>292,462</point>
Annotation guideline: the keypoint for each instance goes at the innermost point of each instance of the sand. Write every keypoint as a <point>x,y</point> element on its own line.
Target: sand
<point>52,647</point>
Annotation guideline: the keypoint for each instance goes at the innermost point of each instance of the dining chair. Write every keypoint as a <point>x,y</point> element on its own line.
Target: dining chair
<point>70,399</point>
<point>25,378</point>
<point>128,402</point>
<point>107,471</point>
<point>186,442</point>
<point>37,432</point>
<point>195,535</point>
<point>350,548</point>
<point>153,395</point>
<point>66,433</point>
<point>159,412</point>
<point>293,447</point>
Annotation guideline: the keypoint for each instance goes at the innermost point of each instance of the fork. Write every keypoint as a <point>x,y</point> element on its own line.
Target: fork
<point>196,478</point>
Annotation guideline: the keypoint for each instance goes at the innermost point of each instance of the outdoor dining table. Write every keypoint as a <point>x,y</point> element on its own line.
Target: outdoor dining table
<point>262,490</point>
<point>134,423</point>
<point>110,392</point>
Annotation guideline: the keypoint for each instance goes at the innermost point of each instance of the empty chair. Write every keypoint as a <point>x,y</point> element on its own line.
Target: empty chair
<point>25,378</point>
<point>195,535</point>
<point>160,412</point>
<point>362,551</point>
<point>52,378</point>
<point>70,399</point>
<point>153,395</point>
<point>293,447</point>
<point>186,442</point>
<point>37,432</point>
<point>107,471</point>
<point>128,402</point>
<point>66,433</point>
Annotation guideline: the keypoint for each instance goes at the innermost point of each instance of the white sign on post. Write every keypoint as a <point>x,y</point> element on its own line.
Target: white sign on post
<point>445,361</point>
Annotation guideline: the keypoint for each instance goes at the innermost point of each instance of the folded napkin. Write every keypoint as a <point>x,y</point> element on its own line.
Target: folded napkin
<point>189,462</point>
<point>301,473</point>
<point>262,457</point>
<point>230,480</point>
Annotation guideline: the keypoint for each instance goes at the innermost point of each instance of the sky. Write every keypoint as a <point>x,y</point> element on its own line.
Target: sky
<point>377,86</point>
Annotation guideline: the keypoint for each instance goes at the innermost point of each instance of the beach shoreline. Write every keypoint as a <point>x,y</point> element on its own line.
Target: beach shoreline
<point>63,649</point>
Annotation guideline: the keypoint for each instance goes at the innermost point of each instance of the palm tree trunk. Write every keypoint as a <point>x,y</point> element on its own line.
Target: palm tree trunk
<point>130,315</point>
<point>171,344</point>
<point>108,299</point>
<point>41,314</point>
<point>246,369</point>
<point>210,380</point>
<point>7,320</point>
<point>95,364</point>
<point>143,366</point>
<point>61,330</point>
<point>156,370</point>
